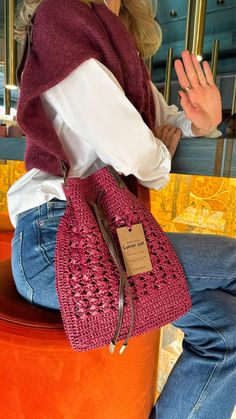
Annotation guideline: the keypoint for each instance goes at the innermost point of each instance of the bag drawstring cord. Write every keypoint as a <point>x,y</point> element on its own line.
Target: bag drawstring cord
<point>123,284</point>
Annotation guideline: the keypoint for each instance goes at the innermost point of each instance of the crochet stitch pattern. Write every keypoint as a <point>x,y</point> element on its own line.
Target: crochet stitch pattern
<point>87,279</point>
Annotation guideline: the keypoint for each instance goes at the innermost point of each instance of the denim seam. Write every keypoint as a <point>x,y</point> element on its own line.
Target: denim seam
<point>44,222</point>
<point>30,290</point>
<point>51,206</point>
<point>198,402</point>
<point>193,313</point>
<point>41,249</point>
<point>209,277</point>
<point>16,238</point>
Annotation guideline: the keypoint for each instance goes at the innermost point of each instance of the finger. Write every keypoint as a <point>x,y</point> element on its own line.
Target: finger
<point>158,132</point>
<point>208,73</point>
<point>177,132</point>
<point>161,128</point>
<point>168,127</point>
<point>183,80</point>
<point>189,69</point>
<point>173,143</point>
<point>198,68</point>
<point>176,137</point>
<point>167,131</point>
<point>172,131</point>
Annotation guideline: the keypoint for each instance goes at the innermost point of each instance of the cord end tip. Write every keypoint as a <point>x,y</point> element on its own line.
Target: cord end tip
<point>112,348</point>
<point>122,349</point>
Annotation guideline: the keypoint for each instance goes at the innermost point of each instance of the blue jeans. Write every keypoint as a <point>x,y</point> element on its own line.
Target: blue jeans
<point>202,383</point>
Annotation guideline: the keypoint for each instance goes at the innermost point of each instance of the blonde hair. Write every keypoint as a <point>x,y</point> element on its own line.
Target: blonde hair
<point>137,16</point>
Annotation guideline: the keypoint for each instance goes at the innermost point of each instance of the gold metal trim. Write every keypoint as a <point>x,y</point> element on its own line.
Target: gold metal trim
<point>233,108</point>
<point>229,157</point>
<point>10,44</point>
<point>195,27</point>
<point>169,64</point>
<point>218,156</point>
<point>7,101</point>
<point>214,57</point>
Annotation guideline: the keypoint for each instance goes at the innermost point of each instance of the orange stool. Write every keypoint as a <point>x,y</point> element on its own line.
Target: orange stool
<point>6,234</point>
<point>42,377</point>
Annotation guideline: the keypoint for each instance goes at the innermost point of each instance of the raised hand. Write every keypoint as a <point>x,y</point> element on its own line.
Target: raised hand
<point>200,97</point>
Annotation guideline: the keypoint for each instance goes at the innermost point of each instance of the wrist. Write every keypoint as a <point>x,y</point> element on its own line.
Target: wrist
<point>201,132</point>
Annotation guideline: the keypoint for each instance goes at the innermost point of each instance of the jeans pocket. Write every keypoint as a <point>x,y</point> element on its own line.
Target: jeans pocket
<point>47,231</point>
<point>22,285</point>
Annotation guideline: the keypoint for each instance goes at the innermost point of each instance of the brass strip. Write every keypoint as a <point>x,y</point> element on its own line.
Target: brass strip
<point>139,190</point>
<point>10,44</point>
<point>7,101</point>
<point>218,156</point>
<point>229,157</point>
<point>169,65</point>
<point>214,57</point>
<point>233,109</point>
<point>195,27</point>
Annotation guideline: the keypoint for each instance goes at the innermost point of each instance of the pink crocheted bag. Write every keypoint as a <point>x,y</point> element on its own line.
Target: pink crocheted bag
<point>99,303</point>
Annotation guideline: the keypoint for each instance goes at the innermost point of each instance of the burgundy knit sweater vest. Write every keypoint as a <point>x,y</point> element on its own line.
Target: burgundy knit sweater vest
<point>65,34</point>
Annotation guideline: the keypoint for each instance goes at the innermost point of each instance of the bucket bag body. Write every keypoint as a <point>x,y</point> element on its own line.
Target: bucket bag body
<point>105,232</point>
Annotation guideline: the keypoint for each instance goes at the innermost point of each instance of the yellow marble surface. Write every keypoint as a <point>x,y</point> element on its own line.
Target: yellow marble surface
<point>9,173</point>
<point>196,204</point>
<point>193,204</point>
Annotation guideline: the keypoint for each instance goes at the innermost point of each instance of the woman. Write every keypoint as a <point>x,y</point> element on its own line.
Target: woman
<point>103,112</point>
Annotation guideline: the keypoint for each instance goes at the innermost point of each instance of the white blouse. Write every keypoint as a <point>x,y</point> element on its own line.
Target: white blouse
<point>98,126</point>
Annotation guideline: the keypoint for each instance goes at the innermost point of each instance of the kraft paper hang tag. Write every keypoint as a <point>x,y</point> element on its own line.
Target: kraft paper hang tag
<point>134,249</point>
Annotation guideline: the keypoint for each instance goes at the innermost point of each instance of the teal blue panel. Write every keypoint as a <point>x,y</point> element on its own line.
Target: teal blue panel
<point>193,156</point>
<point>12,148</point>
<point>220,24</point>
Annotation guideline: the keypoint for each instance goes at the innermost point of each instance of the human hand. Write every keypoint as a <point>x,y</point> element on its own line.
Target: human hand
<point>169,135</point>
<point>200,97</point>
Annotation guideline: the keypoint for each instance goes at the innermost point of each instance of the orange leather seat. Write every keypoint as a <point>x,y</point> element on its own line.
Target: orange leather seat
<point>5,243</point>
<point>42,377</point>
